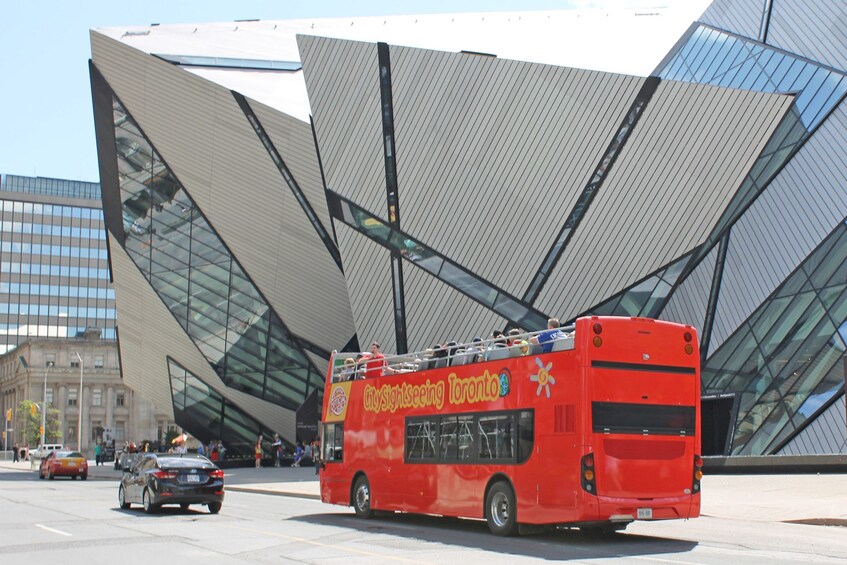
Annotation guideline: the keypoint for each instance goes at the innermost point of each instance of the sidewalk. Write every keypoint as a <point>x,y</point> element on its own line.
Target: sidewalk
<point>760,498</point>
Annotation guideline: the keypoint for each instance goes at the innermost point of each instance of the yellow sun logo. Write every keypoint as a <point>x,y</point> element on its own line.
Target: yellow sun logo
<point>543,377</point>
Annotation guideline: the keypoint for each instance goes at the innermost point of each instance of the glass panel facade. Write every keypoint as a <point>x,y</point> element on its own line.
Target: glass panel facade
<point>645,298</point>
<point>714,57</point>
<point>786,360</point>
<point>208,416</point>
<point>200,282</point>
<point>54,270</point>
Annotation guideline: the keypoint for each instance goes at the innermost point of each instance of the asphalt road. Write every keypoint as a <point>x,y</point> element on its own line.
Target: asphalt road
<point>79,522</point>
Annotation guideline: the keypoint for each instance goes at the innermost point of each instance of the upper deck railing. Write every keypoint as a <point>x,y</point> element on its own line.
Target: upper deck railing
<point>348,366</point>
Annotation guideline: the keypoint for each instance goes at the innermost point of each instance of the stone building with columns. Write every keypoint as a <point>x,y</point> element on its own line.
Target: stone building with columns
<point>110,409</point>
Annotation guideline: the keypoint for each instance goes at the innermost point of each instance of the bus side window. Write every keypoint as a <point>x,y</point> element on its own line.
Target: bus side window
<point>448,446</point>
<point>466,437</point>
<point>526,426</point>
<point>333,442</point>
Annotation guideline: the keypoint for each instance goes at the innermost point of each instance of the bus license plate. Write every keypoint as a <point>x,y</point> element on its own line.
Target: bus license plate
<point>645,513</point>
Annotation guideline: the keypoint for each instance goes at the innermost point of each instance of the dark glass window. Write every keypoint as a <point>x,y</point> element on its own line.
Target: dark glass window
<point>208,416</point>
<point>642,419</point>
<point>788,358</point>
<point>421,439</point>
<point>202,285</point>
<point>333,442</point>
<point>501,437</point>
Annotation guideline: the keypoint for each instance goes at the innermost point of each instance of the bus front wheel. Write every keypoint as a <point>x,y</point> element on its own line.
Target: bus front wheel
<point>500,510</point>
<point>362,498</point>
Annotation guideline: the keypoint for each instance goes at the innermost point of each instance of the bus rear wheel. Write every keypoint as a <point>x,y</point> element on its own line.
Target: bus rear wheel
<point>362,498</point>
<point>500,510</point>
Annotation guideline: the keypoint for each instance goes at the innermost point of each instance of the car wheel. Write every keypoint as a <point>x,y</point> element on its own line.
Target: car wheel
<point>122,498</point>
<point>184,506</point>
<point>362,498</point>
<point>147,502</point>
<point>214,507</point>
<point>500,510</point>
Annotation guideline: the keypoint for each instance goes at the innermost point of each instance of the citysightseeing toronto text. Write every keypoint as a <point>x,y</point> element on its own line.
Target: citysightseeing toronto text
<point>469,390</point>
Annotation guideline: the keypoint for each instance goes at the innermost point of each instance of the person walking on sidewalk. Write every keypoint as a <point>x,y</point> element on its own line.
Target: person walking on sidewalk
<point>15,451</point>
<point>258,451</point>
<point>276,449</point>
<point>98,450</point>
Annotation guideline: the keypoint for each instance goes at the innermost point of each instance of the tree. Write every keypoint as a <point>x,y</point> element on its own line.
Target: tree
<point>28,425</point>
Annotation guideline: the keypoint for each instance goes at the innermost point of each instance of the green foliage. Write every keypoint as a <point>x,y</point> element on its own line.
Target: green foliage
<point>28,426</point>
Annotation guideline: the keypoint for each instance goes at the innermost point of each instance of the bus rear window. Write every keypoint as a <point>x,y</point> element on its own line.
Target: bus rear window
<point>642,419</point>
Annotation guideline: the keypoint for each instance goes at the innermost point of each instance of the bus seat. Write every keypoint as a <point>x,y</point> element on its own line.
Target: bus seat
<point>440,363</point>
<point>497,354</point>
<point>563,344</point>
<point>535,349</point>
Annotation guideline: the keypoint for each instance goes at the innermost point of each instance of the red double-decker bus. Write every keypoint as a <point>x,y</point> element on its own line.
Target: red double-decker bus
<point>599,432</point>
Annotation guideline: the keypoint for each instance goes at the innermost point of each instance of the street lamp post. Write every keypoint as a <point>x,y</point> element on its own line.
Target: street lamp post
<point>44,405</point>
<point>79,422</point>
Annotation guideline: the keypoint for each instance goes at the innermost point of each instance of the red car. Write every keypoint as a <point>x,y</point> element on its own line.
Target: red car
<point>64,464</point>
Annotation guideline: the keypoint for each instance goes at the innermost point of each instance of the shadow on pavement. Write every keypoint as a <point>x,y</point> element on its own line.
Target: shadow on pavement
<point>563,544</point>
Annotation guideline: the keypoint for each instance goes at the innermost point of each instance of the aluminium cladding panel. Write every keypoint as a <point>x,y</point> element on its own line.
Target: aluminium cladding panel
<point>688,303</point>
<point>815,29</point>
<point>342,79</point>
<point>149,334</point>
<point>202,134</point>
<point>296,146</point>
<point>826,435</point>
<point>800,207</point>
<point>671,183</point>
<point>367,268</point>
<point>492,154</point>
<point>437,313</point>
<point>743,17</point>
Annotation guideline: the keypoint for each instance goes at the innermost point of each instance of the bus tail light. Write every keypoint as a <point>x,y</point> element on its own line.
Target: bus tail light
<point>598,341</point>
<point>698,474</point>
<point>597,328</point>
<point>688,336</point>
<point>588,477</point>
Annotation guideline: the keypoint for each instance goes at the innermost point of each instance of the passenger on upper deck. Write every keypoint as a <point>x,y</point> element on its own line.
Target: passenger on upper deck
<point>348,370</point>
<point>475,349</point>
<point>547,338</point>
<point>375,364</point>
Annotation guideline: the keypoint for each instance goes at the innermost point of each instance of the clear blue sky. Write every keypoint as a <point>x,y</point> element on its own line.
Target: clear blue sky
<point>46,123</point>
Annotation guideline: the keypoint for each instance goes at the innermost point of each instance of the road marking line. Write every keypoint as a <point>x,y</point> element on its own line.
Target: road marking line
<point>55,531</point>
<point>381,556</point>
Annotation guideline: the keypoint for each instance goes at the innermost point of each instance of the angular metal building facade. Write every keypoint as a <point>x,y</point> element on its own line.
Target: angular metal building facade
<point>439,195</point>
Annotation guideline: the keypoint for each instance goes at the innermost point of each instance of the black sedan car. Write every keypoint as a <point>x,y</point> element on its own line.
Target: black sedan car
<point>172,478</point>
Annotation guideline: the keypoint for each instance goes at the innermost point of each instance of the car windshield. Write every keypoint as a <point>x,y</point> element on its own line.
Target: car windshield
<point>69,454</point>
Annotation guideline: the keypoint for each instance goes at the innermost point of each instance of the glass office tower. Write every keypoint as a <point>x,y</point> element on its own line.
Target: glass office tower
<point>54,269</point>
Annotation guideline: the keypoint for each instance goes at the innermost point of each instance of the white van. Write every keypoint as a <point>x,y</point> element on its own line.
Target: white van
<point>44,450</point>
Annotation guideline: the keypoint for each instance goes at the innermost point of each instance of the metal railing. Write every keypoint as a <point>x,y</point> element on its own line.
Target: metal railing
<point>352,365</point>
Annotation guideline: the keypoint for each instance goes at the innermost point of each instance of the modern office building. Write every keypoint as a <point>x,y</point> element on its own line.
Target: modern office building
<point>425,195</point>
<point>54,268</point>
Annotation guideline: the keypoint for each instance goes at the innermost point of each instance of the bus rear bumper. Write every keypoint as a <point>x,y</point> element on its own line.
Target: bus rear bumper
<point>628,510</point>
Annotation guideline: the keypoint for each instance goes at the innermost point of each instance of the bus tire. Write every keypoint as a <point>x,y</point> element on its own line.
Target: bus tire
<point>501,509</point>
<point>362,498</point>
